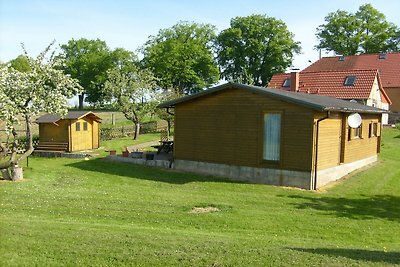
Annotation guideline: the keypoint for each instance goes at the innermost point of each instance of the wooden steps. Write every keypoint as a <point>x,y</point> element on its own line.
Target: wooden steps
<point>52,146</point>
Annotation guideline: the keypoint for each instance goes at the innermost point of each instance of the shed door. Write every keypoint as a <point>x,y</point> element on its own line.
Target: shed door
<point>95,134</point>
<point>82,135</point>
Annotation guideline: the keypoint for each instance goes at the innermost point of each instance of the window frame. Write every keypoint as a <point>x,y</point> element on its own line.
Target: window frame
<point>85,126</point>
<point>374,129</point>
<point>78,126</point>
<point>350,80</point>
<point>287,83</point>
<point>279,146</point>
<point>356,133</point>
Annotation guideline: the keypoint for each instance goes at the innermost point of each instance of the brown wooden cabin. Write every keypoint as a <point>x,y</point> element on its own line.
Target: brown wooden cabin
<point>78,130</point>
<point>272,136</point>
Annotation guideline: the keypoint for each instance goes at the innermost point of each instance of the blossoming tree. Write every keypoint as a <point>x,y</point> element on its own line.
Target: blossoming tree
<point>23,95</point>
<point>134,93</point>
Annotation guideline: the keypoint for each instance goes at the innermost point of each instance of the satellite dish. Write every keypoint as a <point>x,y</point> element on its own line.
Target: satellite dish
<point>354,120</point>
<point>353,101</point>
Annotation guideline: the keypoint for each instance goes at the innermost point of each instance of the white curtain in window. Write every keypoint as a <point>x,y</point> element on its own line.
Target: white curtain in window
<point>272,136</point>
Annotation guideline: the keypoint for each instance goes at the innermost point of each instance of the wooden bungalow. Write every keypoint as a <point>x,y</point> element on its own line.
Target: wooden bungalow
<point>78,130</point>
<point>272,136</point>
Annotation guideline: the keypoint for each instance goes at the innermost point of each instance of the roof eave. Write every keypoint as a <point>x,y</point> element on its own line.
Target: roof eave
<point>353,110</point>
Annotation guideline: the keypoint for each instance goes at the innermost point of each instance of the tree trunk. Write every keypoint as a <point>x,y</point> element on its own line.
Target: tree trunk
<point>137,131</point>
<point>16,173</point>
<point>6,174</point>
<point>169,128</point>
<point>81,98</point>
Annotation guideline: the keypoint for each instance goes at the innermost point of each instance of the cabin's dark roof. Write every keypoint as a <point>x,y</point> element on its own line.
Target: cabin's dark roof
<point>71,115</point>
<point>313,101</point>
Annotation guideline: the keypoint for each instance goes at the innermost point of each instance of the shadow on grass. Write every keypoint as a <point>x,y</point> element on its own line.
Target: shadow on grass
<point>365,207</point>
<point>356,254</point>
<point>143,172</point>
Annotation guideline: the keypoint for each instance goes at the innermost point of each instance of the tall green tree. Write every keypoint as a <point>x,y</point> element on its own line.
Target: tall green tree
<point>133,92</point>
<point>365,31</point>
<point>124,60</point>
<point>181,57</point>
<point>88,61</point>
<point>254,48</point>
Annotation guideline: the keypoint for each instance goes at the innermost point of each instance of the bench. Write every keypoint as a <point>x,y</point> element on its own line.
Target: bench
<point>52,146</point>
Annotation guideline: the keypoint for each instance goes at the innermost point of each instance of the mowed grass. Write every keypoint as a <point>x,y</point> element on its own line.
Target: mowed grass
<point>99,213</point>
<point>121,143</point>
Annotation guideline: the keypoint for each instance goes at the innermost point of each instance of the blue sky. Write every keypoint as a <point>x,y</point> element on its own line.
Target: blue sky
<point>128,24</point>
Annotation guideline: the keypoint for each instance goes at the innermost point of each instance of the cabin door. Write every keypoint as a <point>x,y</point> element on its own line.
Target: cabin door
<point>329,145</point>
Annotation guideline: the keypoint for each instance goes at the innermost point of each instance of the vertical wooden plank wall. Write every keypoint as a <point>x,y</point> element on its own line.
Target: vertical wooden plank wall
<point>227,127</point>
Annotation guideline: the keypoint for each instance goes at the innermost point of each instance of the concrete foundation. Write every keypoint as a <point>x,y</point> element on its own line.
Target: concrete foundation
<point>166,164</point>
<point>59,154</point>
<point>250,174</point>
<point>300,179</point>
<point>335,173</point>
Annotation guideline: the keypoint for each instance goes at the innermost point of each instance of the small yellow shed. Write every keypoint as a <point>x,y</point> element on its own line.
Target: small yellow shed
<point>78,130</point>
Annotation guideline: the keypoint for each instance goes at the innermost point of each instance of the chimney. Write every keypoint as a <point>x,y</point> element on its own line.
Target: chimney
<point>294,81</point>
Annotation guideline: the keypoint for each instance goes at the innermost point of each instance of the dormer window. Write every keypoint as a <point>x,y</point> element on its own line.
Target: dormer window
<point>341,58</point>
<point>350,80</point>
<point>382,55</point>
<point>286,83</point>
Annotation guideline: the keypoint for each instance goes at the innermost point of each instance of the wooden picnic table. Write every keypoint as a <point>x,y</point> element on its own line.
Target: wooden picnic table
<point>165,146</point>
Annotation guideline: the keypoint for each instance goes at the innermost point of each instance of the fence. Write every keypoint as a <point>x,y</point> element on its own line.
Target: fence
<point>124,131</point>
<point>21,145</point>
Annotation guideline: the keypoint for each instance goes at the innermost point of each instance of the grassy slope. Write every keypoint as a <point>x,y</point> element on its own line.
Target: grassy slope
<point>73,212</point>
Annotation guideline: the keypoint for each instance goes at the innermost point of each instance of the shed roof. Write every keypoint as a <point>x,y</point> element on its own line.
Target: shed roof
<point>71,115</point>
<point>313,101</point>
<point>332,83</point>
<point>388,65</point>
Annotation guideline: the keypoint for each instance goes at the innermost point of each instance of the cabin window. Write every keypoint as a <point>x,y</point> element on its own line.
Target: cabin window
<point>373,129</point>
<point>355,133</point>
<point>78,126</point>
<point>272,136</point>
<point>85,126</point>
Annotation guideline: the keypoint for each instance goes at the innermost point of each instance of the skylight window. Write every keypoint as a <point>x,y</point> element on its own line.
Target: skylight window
<point>382,56</point>
<point>350,81</point>
<point>286,83</point>
<point>341,58</point>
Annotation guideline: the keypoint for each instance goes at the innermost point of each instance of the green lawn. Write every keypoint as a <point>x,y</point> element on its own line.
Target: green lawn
<point>121,143</point>
<point>100,213</point>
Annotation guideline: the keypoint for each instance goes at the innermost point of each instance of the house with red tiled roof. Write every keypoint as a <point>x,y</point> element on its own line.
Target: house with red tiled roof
<point>363,86</point>
<point>388,65</point>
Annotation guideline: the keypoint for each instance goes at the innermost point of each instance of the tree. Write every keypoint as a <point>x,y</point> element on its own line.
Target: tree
<point>166,114</point>
<point>124,60</point>
<point>133,93</point>
<point>366,31</point>
<point>181,57</point>
<point>44,88</point>
<point>254,48</point>
<point>88,61</point>
<point>21,63</point>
